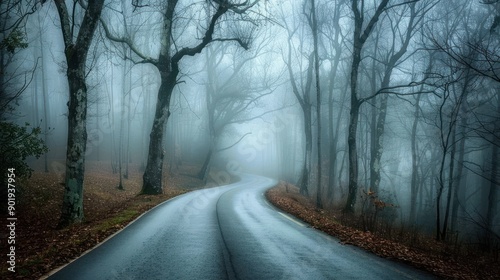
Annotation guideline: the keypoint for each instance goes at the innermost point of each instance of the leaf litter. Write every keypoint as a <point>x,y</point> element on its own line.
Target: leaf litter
<point>41,247</point>
<point>430,255</point>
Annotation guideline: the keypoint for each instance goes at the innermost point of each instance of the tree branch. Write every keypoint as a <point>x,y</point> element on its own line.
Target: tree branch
<point>389,90</point>
<point>128,42</point>
<point>19,20</point>
<point>243,44</point>
<point>236,8</point>
<point>236,143</point>
<point>62,9</point>
<point>207,38</point>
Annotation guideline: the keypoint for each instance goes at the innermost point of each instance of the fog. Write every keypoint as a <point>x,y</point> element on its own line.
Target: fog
<point>409,99</point>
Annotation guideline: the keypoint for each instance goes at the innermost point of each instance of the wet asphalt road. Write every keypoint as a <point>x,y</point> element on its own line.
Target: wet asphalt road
<point>228,232</point>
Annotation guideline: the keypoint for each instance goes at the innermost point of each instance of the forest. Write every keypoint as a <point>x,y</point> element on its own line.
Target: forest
<point>383,110</point>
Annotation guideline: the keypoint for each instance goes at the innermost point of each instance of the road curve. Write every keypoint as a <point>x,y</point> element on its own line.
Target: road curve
<point>228,232</point>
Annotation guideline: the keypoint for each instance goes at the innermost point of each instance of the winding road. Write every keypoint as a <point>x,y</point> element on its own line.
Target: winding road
<point>228,232</point>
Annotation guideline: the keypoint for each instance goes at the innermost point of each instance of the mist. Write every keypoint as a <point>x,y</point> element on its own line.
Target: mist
<point>408,95</point>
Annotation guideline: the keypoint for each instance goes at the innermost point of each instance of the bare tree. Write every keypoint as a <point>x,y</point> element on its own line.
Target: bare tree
<point>301,84</point>
<point>167,63</point>
<point>391,59</point>
<point>231,97</point>
<point>313,24</point>
<point>471,46</point>
<point>77,43</point>
<point>360,36</point>
<point>333,40</point>
<point>362,31</point>
<point>13,82</point>
<point>448,118</point>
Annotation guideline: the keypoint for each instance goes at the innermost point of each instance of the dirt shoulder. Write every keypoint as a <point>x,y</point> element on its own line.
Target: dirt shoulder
<point>40,247</point>
<point>431,256</point>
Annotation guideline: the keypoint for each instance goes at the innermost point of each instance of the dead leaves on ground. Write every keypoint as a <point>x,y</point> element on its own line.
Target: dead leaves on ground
<point>42,248</point>
<point>430,258</point>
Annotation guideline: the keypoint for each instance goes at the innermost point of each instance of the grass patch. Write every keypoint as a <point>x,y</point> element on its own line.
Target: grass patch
<point>122,217</point>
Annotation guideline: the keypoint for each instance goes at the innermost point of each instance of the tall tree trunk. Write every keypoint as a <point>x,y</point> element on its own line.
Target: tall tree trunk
<point>451,174</point>
<point>460,174</point>
<point>415,178</point>
<point>492,209</point>
<point>440,190</point>
<point>333,127</point>
<point>145,124</point>
<point>129,118</point>
<point>373,81</point>
<point>206,164</point>
<point>122,132</point>
<point>98,130</point>
<point>305,104</point>
<point>306,169</point>
<point>72,210</point>
<point>211,88</point>
<point>447,138</point>
<point>45,95</point>
<point>353,124</point>
<point>332,168</point>
<point>314,27</point>
<point>168,66</point>
<point>120,159</point>
<point>152,178</point>
<point>461,177</point>
<point>360,37</point>
<point>76,56</point>
<point>414,163</point>
<point>114,151</point>
<point>378,144</point>
<point>352,155</point>
<point>124,92</point>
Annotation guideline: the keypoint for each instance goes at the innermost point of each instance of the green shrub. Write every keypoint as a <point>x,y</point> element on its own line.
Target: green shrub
<point>16,144</point>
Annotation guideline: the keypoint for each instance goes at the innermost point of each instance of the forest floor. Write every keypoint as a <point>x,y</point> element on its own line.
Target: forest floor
<point>41,247</point>
<point>425,253</point>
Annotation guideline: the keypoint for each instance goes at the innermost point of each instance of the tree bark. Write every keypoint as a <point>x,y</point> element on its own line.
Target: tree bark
<point>353,119</point>
<point>458,178</point>
<point>360,37</point>
<point>451,178</point>
<point>492,209</point>
<point>168,66</point>
<point>414,163</point>
<point>76,55</point>
<point>447,138</point>
<point>205,167</point>
<point>306,169</point>
<point>45,90</point>
<point>305,104</point>
<point>152,178</point>
<point>378,143</point>
<point>314,27</point>
<point>333,129</point>
<point>129,123</point>
<point>352,155</point>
